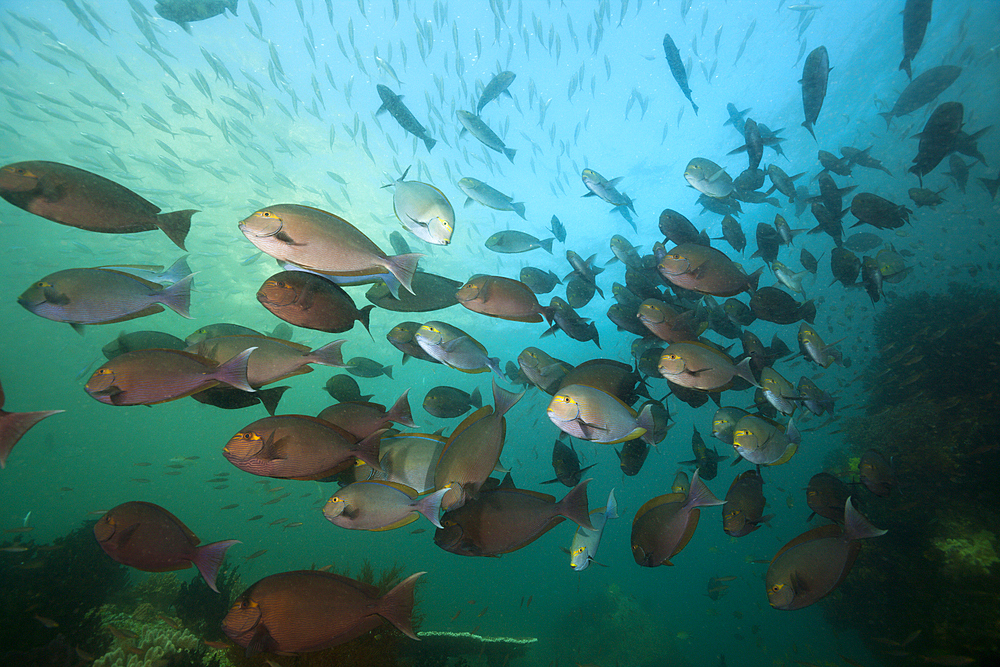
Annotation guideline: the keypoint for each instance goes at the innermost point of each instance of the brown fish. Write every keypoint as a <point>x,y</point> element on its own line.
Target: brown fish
<point>310,610</point>
<point>701,366</point>
<point>473,449</point>
<point>814,563</point>
<point>323,242</point>
<point>274,360</point>
<point>664,525</point>
<point>744,505</point>
<point>78,198</point>
<point>705,270</point>
<point>503,298</point>
<point>876,473</point>
<point>402,337</point>
<point>428,292</point>
<point>312,302</point>
<point>147,377</point>
<point>666,323</point>
<point>13,425</point>
<point>149,538</point>
<point>361,419</point>
<point>505,519</point>
<point>298,447</point>
<point>826,496</point>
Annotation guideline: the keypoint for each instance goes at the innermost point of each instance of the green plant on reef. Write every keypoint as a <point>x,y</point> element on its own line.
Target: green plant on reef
<point>931,407</point>
<point>202,609</point>
<point>60,582</point>
<point>378,648</point>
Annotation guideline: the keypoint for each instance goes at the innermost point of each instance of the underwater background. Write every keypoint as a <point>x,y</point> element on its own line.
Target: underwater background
<point>921,386</point>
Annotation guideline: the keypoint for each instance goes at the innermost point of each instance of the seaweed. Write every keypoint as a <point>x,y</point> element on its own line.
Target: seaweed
<point>59,582</point>
<point>201,609</point>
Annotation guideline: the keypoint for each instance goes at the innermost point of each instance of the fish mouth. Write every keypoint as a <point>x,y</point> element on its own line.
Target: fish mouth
<point>249,232</point>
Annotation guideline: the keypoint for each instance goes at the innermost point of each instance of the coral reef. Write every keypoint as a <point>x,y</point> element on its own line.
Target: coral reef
<point>202,609</point>
<point>155,641</point>
<point>932,392</point>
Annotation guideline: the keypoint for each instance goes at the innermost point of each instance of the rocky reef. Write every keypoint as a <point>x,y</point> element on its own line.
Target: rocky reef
<point>931,404</point>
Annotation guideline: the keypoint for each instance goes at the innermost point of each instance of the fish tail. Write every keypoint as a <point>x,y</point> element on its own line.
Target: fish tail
<point>178,271</point>
<point>695,107</point>
<point>329,354</point>
<point>700,495</point>
<point>611,510</point>
<point>645,419</point>
<point>270,397</point>
<point>231,5</point>
<point>519,209</point>
<point>208,558</point>
<point>509,152</point>
<point>13,425</point>
<point>476,398</point>
<point>368,449</point>
<point>887,115</point>
<point>387,371</point>
<point>396,606</point>
<point>177,297</point>
<point>546,244</point>
<point>234,371</point>
<point>402,268</point>
<point>430,506</point>
<point>574,506</point>
<point>364,316</point>
<point>429,143</point>
<point>991,185</point>
<point>808,126</point>
<point>176,225</point>
<point>503,400</point>
<point>856,526</point>
<point>744,371</point>
<point>905,66</point>
<point>400,411</point>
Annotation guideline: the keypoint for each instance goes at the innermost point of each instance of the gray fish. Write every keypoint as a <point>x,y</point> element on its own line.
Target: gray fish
<point>677,68</point>
<point>815,74</point>
<point>922,90</point>
<point>497,86</point>
<point>512,241</point>
<point>480,192</point>
<point>559,231</point>
<point>539,281</point>
<point>182,12</point>
<point>393,103</point>
<point>474,125</point>
<point>916,16</point>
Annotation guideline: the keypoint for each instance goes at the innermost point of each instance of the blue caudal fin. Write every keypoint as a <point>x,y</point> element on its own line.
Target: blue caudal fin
<point>509,152</point>
<point>402,268</point>
<point>177,297</point>
<point>518,208</point>
<point>208,558</point>
<point>856,526</point>
<point>699,495</point>
<point>574,506</point>
<point>430,506</point>
<point>611,512</point>
<point>329,354</point>
<point>234,371</point>
<point>504,400</point>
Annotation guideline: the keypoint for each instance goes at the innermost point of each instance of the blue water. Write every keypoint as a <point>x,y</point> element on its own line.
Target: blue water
<point>84,461</point>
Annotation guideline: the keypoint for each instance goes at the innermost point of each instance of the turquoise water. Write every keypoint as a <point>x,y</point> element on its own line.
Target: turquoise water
<point>77,464</point>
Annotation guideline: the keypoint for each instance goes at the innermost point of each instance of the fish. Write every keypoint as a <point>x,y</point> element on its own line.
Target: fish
<point>778,391</point>
<point>367,368</point>
<point>666,323</point>
<point>13,426</point>
<point>504,519</point>
<point>701,366</point>
<point>813,564</point>
<point>922,90</point>
<point>344,388</point>
<point>925,197</point>
<point>497,86</point>
<point>774,305</point>
<point>566,464</point>
<point>183,12</point>
<point>558,229</point>
<point>938,138</point>
<point>311,301</point>
<point>815,399</point>
<point>298,447</point>
<point>274,360</point>
<point>455,348</point>
<point>705,270</point>
<point>402,337</point>
<point>876,473</point>
<point>512,241</point>
<point>812,347</point>
<point>705,460</point>
<point>665,524</point>
<point>826,496</point>
<point>878,212</point>
<point>362,418</point>
<point>539,281</point>
<point>477,191</point>
<point>379,505</point>
<point>959,171</point>
<point>473,449</point>
<point>448,402</point>
<point>764,442</point>
<point>475,126</point>
<point>732,233</point>
<point>601,187</point>
<point>632,455</point>
<point>322,242</point>
<point>542,370</point>
<point>423,210</point>
<point>78,198</point>
<point>569,322</point>
<point>147,377</point>
<point>744,505</point>
<point>409,459</point>
<point>141,340</point>
<point>503,298</point>
<point>585,542</point>
<point>393,103</point>
<point>677,69</point>
<point>149,538</point>
<point>708,178</point>
<point>679,230</point>
<point>815,74</point>
<point>427,292</point>
<point>916,16</point>
<point>310,610</point>
<point>595,415</point>
<point>724,423</point>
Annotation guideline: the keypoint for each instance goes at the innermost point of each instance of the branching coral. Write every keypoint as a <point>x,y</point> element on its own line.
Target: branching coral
<point>972,554</point>
<point>156,640</point>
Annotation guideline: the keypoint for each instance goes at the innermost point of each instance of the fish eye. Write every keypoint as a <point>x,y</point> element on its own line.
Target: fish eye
<point>43,284</point>
<point>335,499</point>
<point>777,587</point>
<point>578,551</point>
<point>270,283</point>
<point>103,371</point>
